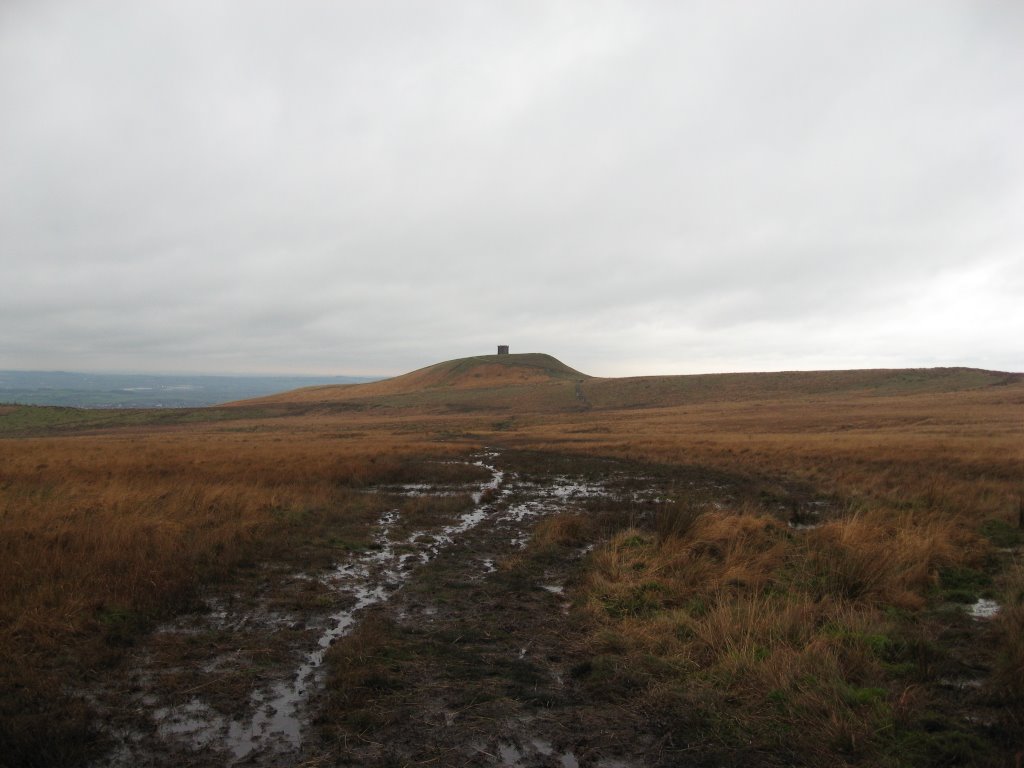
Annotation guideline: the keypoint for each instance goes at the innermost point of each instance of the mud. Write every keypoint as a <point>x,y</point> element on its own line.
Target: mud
<point>243,681</point>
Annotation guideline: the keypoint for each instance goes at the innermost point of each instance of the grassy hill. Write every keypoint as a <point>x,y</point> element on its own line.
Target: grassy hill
<point>540,383</point>
<point>532,381</point>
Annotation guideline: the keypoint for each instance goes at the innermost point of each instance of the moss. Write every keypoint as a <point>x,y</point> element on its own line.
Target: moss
<point>963,578</point>
<point>939,743</point>
<point>1002,534</point>
<point>121,627</point>
<point>859,697</point>
<point>963,585</point>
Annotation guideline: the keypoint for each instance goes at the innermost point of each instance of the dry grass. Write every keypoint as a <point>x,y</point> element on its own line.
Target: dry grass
<point>959,453</point>
<point>102,535</point>
<point>1008,681</point>
<point>89,522</point>
<point>778,639</point>
<point>784,642</point>
<point>561,531</point>
<point>811,647</point>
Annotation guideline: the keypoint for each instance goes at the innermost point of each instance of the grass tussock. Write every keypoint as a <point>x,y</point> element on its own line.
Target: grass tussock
<point>364,664</point>
<point>890,558</point>
<point>773,642</point>
<point>1008,680</point>
<point>562,531</point>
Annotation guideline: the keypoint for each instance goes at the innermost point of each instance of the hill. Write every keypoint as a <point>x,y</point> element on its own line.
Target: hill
<point>480,372</point>
<point>541,383</point>
<point>534,380</point>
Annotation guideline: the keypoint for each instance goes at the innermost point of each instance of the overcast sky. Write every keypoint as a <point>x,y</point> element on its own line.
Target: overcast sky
<point>633,187</point>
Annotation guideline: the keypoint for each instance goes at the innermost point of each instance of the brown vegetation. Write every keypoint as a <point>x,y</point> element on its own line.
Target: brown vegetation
<point>782,643</point>
<point>102,535</point>
<point>785,646</point>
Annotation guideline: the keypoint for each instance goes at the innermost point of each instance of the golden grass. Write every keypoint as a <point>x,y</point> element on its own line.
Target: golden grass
<point>772,633</point>
<point>102,535</point>
<point>786,641</point>
<point>561,531</point>
<point>959,452</point>
<point>775,635</point>
<point>92,521</point>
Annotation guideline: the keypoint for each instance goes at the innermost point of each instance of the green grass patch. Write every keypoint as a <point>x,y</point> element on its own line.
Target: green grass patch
<point>1002,534</point>
<point>963,585</point>
<point>121,626</point>
<point>34,419</point>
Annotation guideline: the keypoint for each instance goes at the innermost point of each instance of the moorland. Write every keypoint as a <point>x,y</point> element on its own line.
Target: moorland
<point>500,560</point>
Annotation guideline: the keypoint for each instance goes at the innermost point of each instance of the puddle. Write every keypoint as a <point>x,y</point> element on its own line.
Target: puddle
<point>510,755</point>
<point>984,609</point>
<point>961,684</point>
<point>565,759</point>
<point>555,589</point>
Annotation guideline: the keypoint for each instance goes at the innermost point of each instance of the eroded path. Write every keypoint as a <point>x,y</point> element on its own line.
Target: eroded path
<point>244,682</point>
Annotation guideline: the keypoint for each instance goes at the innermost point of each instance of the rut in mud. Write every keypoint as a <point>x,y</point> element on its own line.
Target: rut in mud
<point>242,682</point>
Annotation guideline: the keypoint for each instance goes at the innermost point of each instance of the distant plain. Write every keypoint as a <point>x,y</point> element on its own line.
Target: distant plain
<point>127,390</point>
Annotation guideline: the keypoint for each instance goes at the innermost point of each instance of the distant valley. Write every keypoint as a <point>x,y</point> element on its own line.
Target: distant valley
<point>105,390</point>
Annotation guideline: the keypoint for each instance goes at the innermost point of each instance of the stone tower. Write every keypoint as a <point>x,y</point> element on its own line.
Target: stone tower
<point>503,349</point>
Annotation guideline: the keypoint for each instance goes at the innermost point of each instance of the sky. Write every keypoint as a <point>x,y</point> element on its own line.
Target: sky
<point>244,186</point>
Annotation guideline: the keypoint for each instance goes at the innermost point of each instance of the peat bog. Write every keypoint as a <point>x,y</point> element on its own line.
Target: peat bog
<point>508,563</point>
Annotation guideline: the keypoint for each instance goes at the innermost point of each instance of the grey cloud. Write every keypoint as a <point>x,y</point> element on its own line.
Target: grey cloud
<point>364,187</point>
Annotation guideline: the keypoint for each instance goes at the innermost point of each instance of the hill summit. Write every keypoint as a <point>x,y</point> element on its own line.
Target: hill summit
<point>466,375</point>
<point>484,371</point>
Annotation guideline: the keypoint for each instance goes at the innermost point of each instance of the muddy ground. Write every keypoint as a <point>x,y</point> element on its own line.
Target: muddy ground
<point>446,637</point>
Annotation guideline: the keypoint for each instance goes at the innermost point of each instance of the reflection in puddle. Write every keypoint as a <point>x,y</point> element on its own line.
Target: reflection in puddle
<point>512,756</point>
<point>804,526</point>
<point>984,609</point>
<point>509,754</point>
<point>961,684</point>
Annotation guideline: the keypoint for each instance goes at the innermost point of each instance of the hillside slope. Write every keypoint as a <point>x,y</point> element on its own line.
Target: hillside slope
<point>480,381</point>
<point>538,382</point>
<point>647,391</point>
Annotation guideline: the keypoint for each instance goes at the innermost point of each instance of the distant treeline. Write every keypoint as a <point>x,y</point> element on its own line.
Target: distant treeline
<point>109,390</point>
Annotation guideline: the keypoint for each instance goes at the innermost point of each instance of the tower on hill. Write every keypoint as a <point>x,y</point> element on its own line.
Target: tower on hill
<point>503,349</point>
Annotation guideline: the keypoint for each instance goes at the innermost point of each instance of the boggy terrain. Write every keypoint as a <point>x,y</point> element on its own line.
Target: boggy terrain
<point>502,561</point>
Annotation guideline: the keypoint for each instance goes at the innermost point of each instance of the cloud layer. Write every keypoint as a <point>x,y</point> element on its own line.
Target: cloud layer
<point>317,187</point>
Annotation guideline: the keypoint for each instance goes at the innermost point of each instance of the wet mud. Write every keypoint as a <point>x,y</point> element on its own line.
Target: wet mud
<point>244,681</point>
